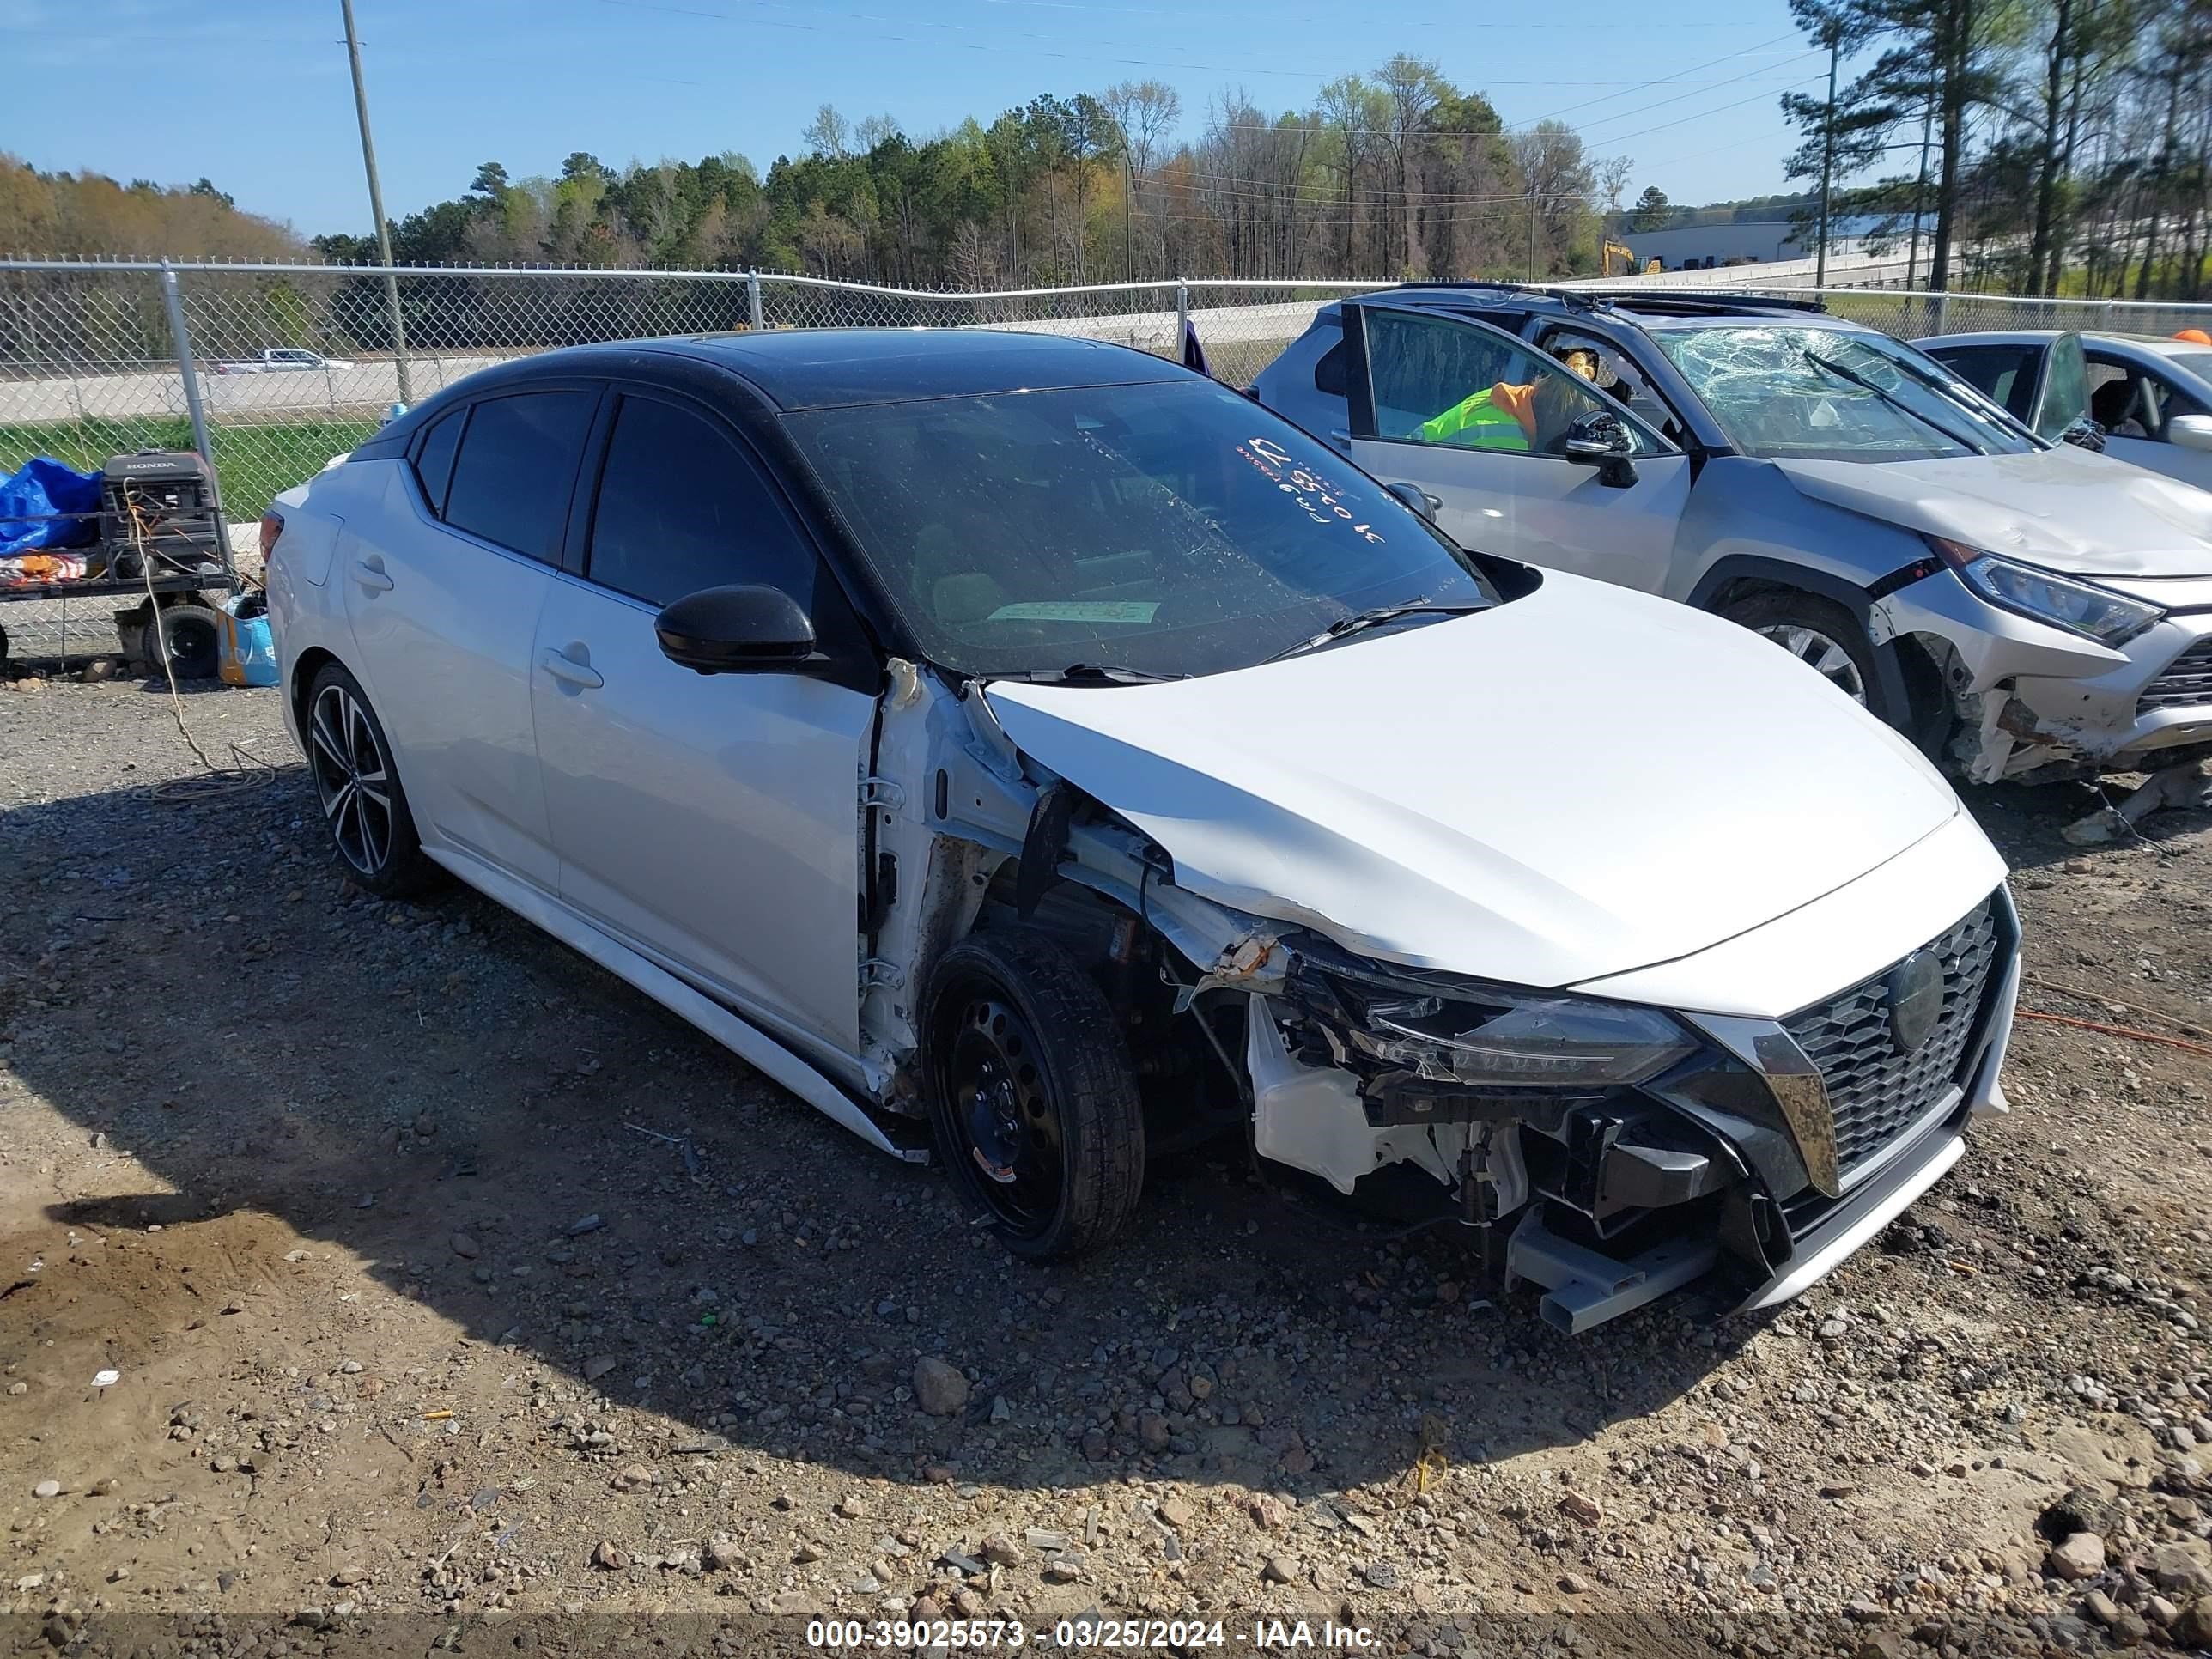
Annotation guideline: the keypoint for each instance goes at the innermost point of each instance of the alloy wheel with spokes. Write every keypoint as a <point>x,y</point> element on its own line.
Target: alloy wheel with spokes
<point>357,786</point>
<point>353,780</point>
<point>1826,657</point>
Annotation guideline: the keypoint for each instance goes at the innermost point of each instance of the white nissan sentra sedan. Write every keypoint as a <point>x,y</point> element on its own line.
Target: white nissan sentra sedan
<point>1024,748</point>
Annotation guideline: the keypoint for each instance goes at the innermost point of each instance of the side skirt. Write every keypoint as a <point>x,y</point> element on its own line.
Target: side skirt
<point>755,1047</point>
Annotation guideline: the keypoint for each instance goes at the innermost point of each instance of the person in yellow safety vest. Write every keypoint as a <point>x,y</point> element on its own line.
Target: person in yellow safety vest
<point>1504,416</point>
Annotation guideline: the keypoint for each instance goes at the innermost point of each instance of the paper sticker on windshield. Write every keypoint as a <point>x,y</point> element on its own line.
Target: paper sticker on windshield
<point>1077,610</point>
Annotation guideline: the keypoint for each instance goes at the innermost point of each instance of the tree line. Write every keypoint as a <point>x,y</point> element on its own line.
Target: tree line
<point>2052,147</point>
<point>1399,173</point>
<point>66,216</point>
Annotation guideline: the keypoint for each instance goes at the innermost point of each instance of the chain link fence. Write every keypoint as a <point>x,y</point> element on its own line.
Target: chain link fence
<point>293,364</point>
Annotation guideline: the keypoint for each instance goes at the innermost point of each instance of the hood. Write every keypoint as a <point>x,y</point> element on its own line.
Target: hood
<point>2065,508</point>
<point>1582,782</point>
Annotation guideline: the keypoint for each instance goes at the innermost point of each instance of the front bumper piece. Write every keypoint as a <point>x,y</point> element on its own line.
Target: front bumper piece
<point>1818,1133</point>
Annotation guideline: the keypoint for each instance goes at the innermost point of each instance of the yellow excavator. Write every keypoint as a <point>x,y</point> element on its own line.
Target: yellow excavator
<point>1627,259</point>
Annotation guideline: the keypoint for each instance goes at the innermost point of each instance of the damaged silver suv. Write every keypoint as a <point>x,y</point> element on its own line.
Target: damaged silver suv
<point>1023,749</point>
<point>2022,608</point>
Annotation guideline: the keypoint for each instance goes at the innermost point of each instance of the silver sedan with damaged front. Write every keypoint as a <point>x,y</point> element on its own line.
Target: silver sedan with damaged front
<point>1038,757</point>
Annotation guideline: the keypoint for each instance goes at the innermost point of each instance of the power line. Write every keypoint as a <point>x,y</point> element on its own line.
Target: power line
<point>1764,69</point>
<point>1725,57</point>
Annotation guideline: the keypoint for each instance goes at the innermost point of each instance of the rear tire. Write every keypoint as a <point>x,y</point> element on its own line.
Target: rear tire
<point>1032,1094</point>
<point>357,786</point>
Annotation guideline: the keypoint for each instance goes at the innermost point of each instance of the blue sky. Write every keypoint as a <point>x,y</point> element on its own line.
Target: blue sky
<point>254,93</point>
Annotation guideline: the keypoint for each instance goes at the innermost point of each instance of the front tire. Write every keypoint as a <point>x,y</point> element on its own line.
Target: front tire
<point>1032,1094</point>
<point>1819,633</point>
<point>358,789</point>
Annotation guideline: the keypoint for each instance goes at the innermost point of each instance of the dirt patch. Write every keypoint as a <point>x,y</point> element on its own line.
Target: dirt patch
<point>412,1326</point>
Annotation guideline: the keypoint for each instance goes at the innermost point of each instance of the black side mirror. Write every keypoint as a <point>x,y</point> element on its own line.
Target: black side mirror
<point>1599,439</point>
<point>730,630</point>
<point>1417,498</point>
<point>2084,432</point>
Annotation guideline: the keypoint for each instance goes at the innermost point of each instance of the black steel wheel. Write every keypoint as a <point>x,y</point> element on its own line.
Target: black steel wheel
<point>358,789</point>
<point>1031,1093</point>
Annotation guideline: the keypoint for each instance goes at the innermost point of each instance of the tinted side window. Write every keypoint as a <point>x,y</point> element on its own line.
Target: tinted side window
<point>1328,372</point>
<point>1439,381</point>
<point>433,459</point>
<point>2004,373</point>
<point>2066,388</point>
<point>517,457</point>
<point>682,507</point>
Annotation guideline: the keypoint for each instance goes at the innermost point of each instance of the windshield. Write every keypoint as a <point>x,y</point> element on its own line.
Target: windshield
<point>1169,528</point>
<point>1801,391</point>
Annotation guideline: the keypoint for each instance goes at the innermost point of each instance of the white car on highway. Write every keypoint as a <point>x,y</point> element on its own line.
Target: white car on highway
<point>1024,748</point>
<point>282,360</point>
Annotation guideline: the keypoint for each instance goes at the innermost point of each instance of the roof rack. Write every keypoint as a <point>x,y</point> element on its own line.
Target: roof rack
<point>1704,304</point>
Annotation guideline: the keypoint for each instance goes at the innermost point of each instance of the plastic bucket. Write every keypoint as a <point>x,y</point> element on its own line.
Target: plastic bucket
<point>248,649</point>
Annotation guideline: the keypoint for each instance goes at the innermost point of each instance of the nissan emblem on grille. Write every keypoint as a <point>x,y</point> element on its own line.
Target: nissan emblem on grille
<point>1916,1000</point>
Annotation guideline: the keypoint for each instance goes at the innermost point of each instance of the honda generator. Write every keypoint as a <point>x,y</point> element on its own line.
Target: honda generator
<point>157,516</point>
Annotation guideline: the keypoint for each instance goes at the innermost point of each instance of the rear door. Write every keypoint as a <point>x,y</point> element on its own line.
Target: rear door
<point>442,588</point>
<point>711,820</point>
<point>1479,419</point>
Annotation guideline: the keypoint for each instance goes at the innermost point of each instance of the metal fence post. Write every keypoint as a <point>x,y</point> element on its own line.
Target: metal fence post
<point>188,371</point>
<point>1182,316</point>
<point>752,297</point>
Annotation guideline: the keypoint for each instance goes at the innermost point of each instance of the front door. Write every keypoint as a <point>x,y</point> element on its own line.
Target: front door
<point>2141,403</point>
<point>712,821</point>
<point>443,586</point>
<point>1481,420</point>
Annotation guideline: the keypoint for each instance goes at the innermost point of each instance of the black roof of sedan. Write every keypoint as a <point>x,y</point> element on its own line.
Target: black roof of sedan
<point>820,369</point>
<point>833,367</point>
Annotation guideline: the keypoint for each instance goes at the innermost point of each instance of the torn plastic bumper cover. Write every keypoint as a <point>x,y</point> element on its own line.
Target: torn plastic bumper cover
<point>1628,1152</point>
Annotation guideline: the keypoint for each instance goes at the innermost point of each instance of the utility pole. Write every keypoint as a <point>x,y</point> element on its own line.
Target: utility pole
<point>1827,154</point>
<point>376,207</point>
<point>1532,234</point>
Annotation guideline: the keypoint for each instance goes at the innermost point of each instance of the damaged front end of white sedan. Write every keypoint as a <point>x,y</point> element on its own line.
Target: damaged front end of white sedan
<point>1631,1023</point>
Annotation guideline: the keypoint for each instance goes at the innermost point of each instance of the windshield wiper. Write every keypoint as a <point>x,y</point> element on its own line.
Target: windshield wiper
<point>1890,398</point>
<point>1359,620</point>
<point>1090,673</point>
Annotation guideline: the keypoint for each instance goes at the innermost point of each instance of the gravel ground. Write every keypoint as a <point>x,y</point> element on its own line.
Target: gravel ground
<point>445,1281</point>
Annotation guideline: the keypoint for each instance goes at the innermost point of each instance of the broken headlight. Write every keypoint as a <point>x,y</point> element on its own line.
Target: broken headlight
<point>2109,618</point>
<point>1533,1040</point>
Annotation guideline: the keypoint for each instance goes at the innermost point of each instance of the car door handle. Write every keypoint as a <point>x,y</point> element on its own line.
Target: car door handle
<point>1340,436</point>
<point>370,574</point>
<point>567,669</point>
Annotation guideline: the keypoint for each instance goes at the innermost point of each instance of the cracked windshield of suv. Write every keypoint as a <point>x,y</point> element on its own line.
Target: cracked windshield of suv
<point>1166,528</point>
<point>1784,392</point>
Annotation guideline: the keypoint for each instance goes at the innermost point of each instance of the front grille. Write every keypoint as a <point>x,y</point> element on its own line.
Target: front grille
<point>1875,1091</point>
<point>2187,681</point>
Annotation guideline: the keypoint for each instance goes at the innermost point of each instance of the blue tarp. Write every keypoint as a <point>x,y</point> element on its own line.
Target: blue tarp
<point>34,493</point>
